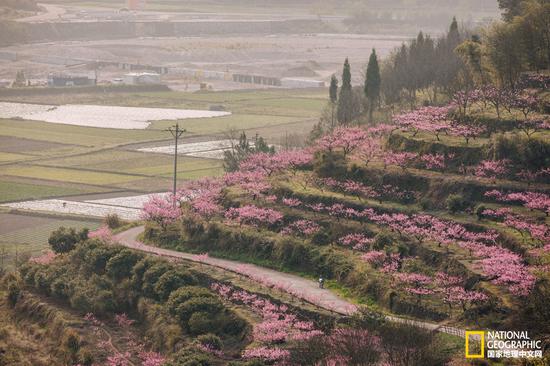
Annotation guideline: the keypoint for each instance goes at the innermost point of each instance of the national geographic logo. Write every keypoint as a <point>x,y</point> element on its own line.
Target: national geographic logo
<point>501,344</point>
<point>475,337</point>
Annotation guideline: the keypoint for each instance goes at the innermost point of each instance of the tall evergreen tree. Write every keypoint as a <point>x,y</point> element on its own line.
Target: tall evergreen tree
<point>333,90</point>
<point>333,94</point>
<point>372,83</point>
<point>345,99</point>
<point>448,63</point>
<point>454,35</point>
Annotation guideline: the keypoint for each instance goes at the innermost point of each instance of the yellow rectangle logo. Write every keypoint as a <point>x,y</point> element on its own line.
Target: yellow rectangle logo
<point>477,334</point>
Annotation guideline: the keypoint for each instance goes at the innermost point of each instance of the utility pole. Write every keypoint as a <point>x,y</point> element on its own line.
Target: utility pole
<point>176,133</point>
<point>2,256</point>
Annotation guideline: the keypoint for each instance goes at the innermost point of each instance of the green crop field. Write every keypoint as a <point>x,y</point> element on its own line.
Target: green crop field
<point>218,125</point>
<point>16,191</point>
<point>42,159</point>
<point>78,135</point>
<point>67,175</point>
<point>30,235</point>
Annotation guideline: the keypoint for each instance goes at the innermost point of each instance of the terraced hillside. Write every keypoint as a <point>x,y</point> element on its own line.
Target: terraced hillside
<point>440,215</point>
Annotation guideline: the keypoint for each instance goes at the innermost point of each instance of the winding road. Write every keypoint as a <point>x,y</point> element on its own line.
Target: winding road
<point>299,287</point>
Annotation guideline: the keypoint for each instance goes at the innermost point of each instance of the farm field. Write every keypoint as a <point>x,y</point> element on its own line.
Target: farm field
<point>16,190</point>
<point>89,208</point>
<point>54,162</point>
<point>213,149</point>
<point>26,236</point>
<point>97,157</point>
<point>125,118</point>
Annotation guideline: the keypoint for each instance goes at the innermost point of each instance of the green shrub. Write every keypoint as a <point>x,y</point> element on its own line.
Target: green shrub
<point>42,280</point>
<point>27,273</point>
<point>121,265</point>
<point>210,340</point>
<point>426,204</point>
<point>375,289</point>
<point>190,356</point>
<point>71,342</point>
<point>188,292</point>
<point>455,203</point>
<point>320,238</point>
<point>59,288</point>
<point>139,270</point>
<point>172,280</point>
<point>331,263</point>
<point>151,276</point>
<point>202,323</point>
<point>80,301</point>
<point>186,301</point>
<point>14,292</point>
<point>86,358</point>
<point>383,240</point>
<point>330,164</point>
<point>159,326</point>
<point>113,221</point>
<point>299,256</point>
<point>479,211</point>
<point>104,302</point>
<point>184,311</point>
<point>64,240</point>
<point>92,256</point>
<point>232,324</point>
<point>532,154</point>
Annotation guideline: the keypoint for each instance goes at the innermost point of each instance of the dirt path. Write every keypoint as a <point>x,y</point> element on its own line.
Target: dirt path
<point>300,287</point>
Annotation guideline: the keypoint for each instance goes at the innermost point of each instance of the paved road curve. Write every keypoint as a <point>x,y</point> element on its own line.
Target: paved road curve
<point>303,288</point>
<point>300,287</point>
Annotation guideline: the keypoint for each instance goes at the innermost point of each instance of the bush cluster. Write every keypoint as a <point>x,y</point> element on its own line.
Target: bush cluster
<point>106,279</point>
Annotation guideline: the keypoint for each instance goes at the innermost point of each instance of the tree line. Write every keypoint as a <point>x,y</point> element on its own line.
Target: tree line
<point>434,70</point>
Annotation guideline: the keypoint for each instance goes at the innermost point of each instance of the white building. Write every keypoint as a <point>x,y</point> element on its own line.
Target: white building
<point>142,78</point>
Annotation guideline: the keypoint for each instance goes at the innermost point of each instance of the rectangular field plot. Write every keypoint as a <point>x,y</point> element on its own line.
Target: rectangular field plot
<point>76,135</point>
<point>16,145</point>
<point>208,149</point>
<point>184,167</point>
<point>15,191</point>
<point>76,208</point>
<point>222,124</point>
<point>196,174</point>
<point>127,207</point>
<point>67,175</point>
<point>126,118</point>
<point>130,201</point>
<point>132,162</point>
<point>117,160</point>
<point>300,107</point>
